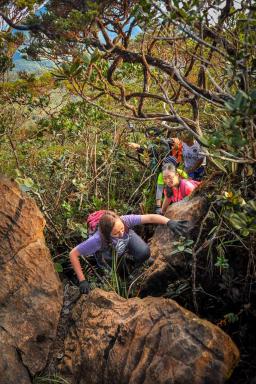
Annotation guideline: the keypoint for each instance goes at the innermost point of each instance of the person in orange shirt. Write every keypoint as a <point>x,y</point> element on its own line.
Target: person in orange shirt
<point>176,149</point>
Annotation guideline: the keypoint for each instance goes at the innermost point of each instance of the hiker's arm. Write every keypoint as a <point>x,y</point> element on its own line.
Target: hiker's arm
<point>196,165</point>
<point>139,148</point>
<point>74,259</point>
<point>87,247</point>
<point>165,204</point>
<point>178,227</point>
<point>136,146</point>
<point>133,145</point>
<point>153,219</point>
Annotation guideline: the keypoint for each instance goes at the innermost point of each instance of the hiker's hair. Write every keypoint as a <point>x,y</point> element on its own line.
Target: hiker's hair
<point>169,167</point>
<point>106,224</point>
<point>170,160</point>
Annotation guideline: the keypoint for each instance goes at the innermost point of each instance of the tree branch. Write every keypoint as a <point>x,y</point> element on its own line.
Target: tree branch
<point>33,28</point>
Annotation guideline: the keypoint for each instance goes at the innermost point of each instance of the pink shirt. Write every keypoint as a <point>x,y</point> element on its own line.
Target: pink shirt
<point>185,188</point>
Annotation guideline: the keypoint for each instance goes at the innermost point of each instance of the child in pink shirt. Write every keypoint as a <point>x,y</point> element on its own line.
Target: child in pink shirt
<point>176,187</point>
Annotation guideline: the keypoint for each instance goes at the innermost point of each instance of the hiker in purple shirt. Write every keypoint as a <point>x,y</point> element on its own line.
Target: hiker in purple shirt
<point>116,231</point>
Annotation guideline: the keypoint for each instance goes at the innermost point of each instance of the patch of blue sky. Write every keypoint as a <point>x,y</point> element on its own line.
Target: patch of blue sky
<point>135,31</point>
<point>33,66</point>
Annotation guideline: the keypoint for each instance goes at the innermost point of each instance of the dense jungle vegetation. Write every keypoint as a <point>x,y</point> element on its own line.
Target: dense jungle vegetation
<point>119,67</point>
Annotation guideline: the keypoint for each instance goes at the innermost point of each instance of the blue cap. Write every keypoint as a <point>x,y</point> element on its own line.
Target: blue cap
<point>170,159</point>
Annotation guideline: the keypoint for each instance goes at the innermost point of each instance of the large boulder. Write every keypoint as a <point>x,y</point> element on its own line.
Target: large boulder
<point>170,266</point>
<point>30,290</point>
<point>152,340</point>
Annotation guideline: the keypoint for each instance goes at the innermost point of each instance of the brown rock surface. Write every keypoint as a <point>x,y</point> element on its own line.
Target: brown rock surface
<point>143,341</point>
<point>168,267</point>
<point>30,290</point>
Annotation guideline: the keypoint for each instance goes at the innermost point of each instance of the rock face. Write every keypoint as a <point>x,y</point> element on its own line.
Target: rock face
<point>30,290</point>
<point>111,340</point>
<point>143,341</point>
<point>167,266</point>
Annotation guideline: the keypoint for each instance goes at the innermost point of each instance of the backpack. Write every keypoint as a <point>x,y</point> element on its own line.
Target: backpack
<point>93,220</point>
<point>176,149</point>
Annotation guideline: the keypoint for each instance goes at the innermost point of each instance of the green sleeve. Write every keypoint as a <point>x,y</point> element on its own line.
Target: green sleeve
<point>160,179</point>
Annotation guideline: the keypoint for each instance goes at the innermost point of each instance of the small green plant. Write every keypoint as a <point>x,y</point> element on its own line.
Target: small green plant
<point>183,245</point>
<point>68,210</point>
<point>118,285</point>
<point>115,280</point>
<point>110,279</point>
<point>231,317</point>
<point>97,203</point>
<point>58,267</point>
<point>222,262</point>
<point>77,227</point>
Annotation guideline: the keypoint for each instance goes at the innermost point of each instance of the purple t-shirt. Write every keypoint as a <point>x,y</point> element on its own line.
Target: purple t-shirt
<point>94,243</point>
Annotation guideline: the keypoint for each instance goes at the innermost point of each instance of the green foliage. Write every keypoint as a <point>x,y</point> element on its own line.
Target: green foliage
<point>148,197</point>
<point>221,262</point>
<point>231,317</point>
<point>69,70</point>
<point>243,222</point>
<point>60,163</point>
<point>177,289</point>
<point>240,214</point>
<point>58,267</point>
<point>115,280</point>
<point>26,184</point>
<point>78,19</point>
<point>183,245</point>
<point>27,3</point>
<point>72,157</point>
<point>6,64</point>
<point>109,279</point>
<point>241,108</point>
<point>67,209</point>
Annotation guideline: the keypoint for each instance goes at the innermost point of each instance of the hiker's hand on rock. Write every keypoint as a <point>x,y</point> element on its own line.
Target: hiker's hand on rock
<point>84,287</point>
<point>133,145</point>
<point>178,227</point>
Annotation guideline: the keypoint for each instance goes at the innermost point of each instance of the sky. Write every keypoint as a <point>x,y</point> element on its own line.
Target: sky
<point>35,66</point>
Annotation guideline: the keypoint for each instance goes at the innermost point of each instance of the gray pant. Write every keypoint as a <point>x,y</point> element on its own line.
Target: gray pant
<point>159,191</point>
<point>136,247</point>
